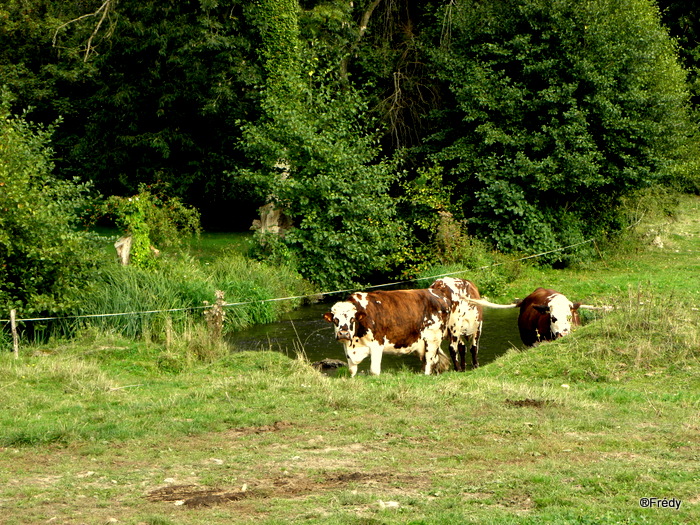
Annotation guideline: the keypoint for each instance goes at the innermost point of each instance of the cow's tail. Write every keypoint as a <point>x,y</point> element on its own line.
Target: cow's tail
<point>443,363</point>
<point>489,304</point>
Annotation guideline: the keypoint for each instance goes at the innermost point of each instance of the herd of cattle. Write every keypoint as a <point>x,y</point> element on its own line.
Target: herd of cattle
<point>417,321</point>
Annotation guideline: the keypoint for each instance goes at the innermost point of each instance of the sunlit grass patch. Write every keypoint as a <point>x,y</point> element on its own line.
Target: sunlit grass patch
<point>208,246</point>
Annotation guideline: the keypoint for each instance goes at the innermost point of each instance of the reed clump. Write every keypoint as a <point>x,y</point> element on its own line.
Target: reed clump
<point>158,302</point>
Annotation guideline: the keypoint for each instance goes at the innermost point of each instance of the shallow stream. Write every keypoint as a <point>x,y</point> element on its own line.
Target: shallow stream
<point>306,330</point>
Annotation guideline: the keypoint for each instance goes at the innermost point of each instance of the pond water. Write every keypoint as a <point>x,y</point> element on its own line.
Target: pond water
<point>306,330</point>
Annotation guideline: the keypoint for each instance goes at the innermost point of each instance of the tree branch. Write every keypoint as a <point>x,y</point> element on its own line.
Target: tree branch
<point>105,9</point>
<point>364,22</point>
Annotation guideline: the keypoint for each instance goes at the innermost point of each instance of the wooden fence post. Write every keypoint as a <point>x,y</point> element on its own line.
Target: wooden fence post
<point>15,338</point>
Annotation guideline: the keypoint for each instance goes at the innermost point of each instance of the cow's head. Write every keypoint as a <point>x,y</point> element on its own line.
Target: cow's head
<point>345,319</point>
<point>563,314</point>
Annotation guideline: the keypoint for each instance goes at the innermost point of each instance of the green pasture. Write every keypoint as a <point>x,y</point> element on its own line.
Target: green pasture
<point>209,245</point>
<point>105,429</point>
<point>205,246</point>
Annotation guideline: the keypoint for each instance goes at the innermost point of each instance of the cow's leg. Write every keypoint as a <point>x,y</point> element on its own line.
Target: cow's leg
<point>474,350</point>
<point>375,355</point>
<point>355,355</point>
<point>462,355</point>
<point>454,343</point>
<point>432,354</point>
<point>475,347</point>
<point>429,363</point>
<point>352,367</point>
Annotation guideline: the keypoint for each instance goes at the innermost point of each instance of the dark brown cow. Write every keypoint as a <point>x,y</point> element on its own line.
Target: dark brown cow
<point>546,315</point>
<point>393,322</point>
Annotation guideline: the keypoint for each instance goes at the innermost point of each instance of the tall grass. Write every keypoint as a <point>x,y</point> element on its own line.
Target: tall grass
<point>187,286</point>
<point>649,331</point>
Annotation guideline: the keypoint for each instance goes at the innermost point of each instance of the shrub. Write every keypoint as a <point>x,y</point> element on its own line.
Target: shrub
<point>44,258</point>
<point>153,220</point>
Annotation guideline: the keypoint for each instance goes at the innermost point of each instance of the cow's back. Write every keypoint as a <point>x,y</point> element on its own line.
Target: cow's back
<point>400,316</point>
<point>462,312</point>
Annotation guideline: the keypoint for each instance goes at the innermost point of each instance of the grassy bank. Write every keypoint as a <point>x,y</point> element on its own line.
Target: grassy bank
<point>106,430</point>
<point>171,297</point>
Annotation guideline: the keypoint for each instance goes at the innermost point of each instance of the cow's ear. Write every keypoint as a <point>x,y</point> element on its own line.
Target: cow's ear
<point>360,315</point>
<point>328,316</point>
<point>575,306</point>
<point>542,308</point>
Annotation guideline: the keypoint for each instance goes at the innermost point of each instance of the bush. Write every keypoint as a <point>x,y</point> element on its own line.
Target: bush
<point>44,258</point>
<point>153,219</point>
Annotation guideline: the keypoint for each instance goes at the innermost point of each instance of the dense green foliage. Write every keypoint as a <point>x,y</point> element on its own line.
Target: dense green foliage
<point>154,222</point>
<point>559,109</point>
<point>156,100</point>
<point>320,163</point>
<point>345,224</point>
<point>529,123</point>
<point>44,260</point>
<point>683,21</point>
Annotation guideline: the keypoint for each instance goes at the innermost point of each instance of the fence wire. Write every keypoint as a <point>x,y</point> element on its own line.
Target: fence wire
<point>290,298</point>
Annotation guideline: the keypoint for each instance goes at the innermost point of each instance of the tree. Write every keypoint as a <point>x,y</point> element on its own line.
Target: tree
<point>556,110</point>
<point>683,21</point>
<point>44,258</point>
<point>334,185</point>
<point>152,95</point>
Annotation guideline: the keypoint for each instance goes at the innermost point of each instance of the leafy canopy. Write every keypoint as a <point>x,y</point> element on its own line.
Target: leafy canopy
<point>334,184</point>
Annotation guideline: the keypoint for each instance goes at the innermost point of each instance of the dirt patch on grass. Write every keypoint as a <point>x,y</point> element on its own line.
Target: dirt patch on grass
<point>286,486</point>
<point>275,427</point>
<point>531,403</point>
<point>194,496</point>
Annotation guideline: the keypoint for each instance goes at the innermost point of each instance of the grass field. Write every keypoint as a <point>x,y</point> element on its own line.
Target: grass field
<point>107,430</point>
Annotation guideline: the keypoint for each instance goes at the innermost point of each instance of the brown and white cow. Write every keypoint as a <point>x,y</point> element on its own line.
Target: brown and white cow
<point>465,323</point>
<point>392,322</point>
<point>546,315</point>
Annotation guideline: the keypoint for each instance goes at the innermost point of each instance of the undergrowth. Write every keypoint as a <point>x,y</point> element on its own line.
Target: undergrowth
<point>187,286</point>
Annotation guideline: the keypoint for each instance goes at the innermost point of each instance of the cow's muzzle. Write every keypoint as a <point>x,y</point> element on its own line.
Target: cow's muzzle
<point>343,335</point>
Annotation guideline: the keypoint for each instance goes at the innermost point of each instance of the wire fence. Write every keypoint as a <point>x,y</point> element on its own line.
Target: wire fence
<point>294,297</point>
